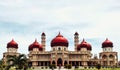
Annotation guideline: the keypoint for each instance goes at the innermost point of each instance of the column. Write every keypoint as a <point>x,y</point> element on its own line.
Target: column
<point>108,61</point>
<point>63,62</point>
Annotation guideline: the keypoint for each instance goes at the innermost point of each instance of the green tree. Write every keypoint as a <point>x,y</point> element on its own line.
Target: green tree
<point>2,65</point>
<point>19,62</point>
<point>52,66</point>
<point>98,66</point>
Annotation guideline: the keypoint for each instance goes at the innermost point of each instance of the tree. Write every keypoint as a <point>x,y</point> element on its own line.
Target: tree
<point>98,66</point>
<point>2,65</point>
<point>19,62</point>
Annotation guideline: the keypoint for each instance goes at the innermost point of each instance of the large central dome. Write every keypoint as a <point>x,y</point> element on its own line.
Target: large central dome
<point>59,40</point>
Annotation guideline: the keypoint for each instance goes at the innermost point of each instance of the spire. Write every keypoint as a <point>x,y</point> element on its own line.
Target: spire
<point>106,39</point>
<point>83,40</point>
<point>12,39</point>
<point>35,39</point>
<point>59,35</point>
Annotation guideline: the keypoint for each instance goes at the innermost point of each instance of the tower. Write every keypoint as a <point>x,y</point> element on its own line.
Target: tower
<point>43,40</point>
<point>12,48</point>
<point>108,57</point>
<point>76,40</point>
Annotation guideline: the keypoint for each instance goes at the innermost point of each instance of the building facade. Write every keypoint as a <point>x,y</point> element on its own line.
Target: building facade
<point>60,55</point>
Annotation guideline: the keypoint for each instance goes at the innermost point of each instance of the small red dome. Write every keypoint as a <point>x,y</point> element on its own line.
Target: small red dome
<point>84,44</point>
<point>12,44</point>
<point>76,33</point>
<point>107,43</point>
<point>59,40</point>
<point>43,34</point>
<point>35,45</point>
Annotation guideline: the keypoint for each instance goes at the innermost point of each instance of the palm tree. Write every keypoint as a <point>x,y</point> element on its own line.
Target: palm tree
<point>19,62</point>
<point>2,65</point>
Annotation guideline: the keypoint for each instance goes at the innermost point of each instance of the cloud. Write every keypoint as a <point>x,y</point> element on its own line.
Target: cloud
<point>25,20</point>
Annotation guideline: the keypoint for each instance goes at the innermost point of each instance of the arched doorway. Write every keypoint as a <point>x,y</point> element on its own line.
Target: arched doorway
<point>65,63</point>
<point>53,62</point>
<point>59,61</point>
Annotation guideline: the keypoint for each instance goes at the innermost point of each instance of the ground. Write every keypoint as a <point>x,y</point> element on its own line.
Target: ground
<point>80,69</point>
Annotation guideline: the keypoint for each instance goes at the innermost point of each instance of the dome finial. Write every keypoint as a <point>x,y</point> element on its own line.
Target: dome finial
<point>83,40</point>
<point>106,38</point>
<point>12,39</point>
<point>59,33</point>
<point>35,39</point>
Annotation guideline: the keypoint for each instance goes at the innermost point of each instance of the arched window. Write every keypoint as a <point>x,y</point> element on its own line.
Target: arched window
<point>64,49</point>
<point>111,56</point>
<point>59,48</point>
<point>53,49</point>
<point>104,57</point>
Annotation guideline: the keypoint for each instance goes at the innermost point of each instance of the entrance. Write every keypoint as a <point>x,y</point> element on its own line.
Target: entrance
<point>59,62</point>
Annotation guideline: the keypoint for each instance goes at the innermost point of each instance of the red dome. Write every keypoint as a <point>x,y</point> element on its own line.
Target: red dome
<point>59,40</point>
<point>76,33</point>
<point>84,44</point>
<point>12,44</point>
<point>35,45</point>
<point>107,43</point>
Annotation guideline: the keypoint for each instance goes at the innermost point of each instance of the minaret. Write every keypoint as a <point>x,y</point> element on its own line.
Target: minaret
<point>43,40</point>
<point>76,40</point>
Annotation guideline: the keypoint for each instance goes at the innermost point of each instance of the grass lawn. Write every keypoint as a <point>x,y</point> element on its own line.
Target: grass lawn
<point>82,69</point>
<point>100,69</point>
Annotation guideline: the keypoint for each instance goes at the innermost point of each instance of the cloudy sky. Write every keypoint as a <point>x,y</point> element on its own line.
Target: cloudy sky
<point>25,20</point>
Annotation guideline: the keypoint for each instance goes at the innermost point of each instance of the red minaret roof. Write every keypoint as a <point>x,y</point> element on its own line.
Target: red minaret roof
<point>84,44</point>
<point>107,43</point>
<point>59,40</point>
<point>76,33</point>
<point>43,34</point>
<point>12,44</point>
<point>35,44</point>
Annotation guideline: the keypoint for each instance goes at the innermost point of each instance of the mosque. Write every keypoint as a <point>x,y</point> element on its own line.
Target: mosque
<point>61,55</point>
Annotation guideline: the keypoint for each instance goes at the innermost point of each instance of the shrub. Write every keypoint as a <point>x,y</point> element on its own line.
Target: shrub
<point>68,66</point>
<point>76,66</point>
<point>52,66</point>
<point>98,66</point>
